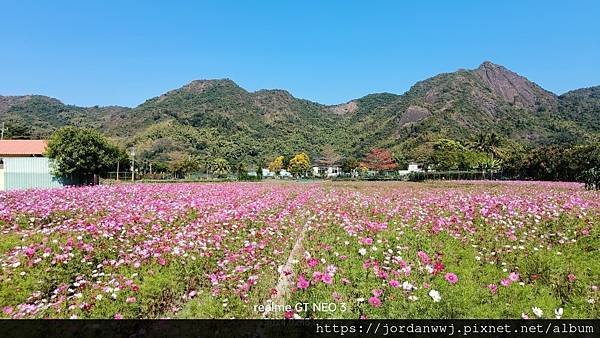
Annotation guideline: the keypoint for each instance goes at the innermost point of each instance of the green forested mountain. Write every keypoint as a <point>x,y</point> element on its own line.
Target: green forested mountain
<point>217,118</point>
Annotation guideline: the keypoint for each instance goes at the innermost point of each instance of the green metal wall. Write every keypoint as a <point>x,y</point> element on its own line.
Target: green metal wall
<point>28,172</point>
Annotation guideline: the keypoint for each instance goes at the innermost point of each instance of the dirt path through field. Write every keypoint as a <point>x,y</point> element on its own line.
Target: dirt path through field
<point>285,281</point>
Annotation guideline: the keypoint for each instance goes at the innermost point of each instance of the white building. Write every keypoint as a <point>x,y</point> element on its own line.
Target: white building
<point>412,168</point>
<point>268,173</point>
<point>326,172</point>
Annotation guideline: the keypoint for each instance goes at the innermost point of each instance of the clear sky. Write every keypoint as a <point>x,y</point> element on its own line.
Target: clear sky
<point>124,52</point>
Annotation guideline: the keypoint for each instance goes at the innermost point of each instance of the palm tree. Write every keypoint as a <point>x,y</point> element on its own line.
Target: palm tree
<point>489,164</point>
<point>488,143</point>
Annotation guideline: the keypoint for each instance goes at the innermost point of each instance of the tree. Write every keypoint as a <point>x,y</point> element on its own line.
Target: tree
<point>184,164</point>
<point>259,168</point>
<point>81,153</point>
<point>380,160</point>
<point>489,164</point>
<point>488,143</point>
<point>447,154</point>
<point>299,164</point>
<point>349,164</point>
<point>329,157</point>
<point>276,165</point>
<point>220,167</point>
<point>17,130</point>
<point>242,171</point>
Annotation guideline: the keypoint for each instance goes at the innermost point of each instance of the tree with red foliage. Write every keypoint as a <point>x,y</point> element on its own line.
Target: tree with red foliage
<point>380,160</point>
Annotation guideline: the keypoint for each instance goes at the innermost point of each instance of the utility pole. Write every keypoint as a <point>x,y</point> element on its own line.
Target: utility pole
<point>118,162</point>
<point>2,130</point>
<point>132,164</point>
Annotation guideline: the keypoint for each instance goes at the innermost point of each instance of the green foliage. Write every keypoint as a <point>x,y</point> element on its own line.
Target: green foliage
<point>554,163</point>
<point>349,164</point>
<point>81,153</point>
<point>218,119</point>
<point>447,154</point>
<point>591,178</point>
<point>220,167</point>
<point>488,143</point>
<point>184,165</point>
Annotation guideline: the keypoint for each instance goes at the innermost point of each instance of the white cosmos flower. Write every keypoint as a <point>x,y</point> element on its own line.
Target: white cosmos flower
<point>537,311</point>
<point>362,251</point>
<point>413,298</point>
<point>435,295</point>
<point>558,312</point>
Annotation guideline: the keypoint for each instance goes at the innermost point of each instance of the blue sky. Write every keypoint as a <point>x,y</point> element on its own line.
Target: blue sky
<point>124,52</point>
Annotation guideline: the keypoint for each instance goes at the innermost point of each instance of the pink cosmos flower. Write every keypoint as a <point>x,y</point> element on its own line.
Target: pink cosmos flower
<point>317,276</point>
<point>7,310</point>
<point>313,262</point>
<point>451,278</point>
<point>571,277</point>
<point>394,283</point>
<point>30,252</point>
<point>423,257</point>
<point>336,296</point>
<point>377,292</point>
<point>130,300</point>
<point>382,274</point>
<point>302,283</point>
<point>505,282</point>
<point>375,301</point>
<point>289,314</point>
<point>326,278</point>
<point>118,316</point>
<point>513,276</point>
<point>493,288</point>
<point>368,241</point>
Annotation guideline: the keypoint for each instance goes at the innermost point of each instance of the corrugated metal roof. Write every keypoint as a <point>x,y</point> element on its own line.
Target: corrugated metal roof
<point>22,147</point>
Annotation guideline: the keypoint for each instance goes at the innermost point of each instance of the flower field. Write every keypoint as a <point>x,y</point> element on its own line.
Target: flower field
<point>366,250</point>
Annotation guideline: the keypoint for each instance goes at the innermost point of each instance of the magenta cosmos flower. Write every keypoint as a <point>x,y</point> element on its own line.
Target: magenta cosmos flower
<point>302,283</point>
<point>451,278</point>
<point>375,301</point>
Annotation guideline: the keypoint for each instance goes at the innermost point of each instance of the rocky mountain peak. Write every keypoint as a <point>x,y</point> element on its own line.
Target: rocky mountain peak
<point>511,87</point>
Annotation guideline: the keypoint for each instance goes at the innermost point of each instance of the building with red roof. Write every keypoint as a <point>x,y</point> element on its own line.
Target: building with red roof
<point>23,165</point>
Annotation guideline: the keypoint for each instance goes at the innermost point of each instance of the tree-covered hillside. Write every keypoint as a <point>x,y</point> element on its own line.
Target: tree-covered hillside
<point>217,118</point>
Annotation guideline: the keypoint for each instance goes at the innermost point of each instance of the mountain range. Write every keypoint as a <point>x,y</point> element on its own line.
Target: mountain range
<point>219,118</point>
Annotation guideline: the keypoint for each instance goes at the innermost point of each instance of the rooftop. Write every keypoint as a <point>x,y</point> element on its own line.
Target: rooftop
<point>22,147</point>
